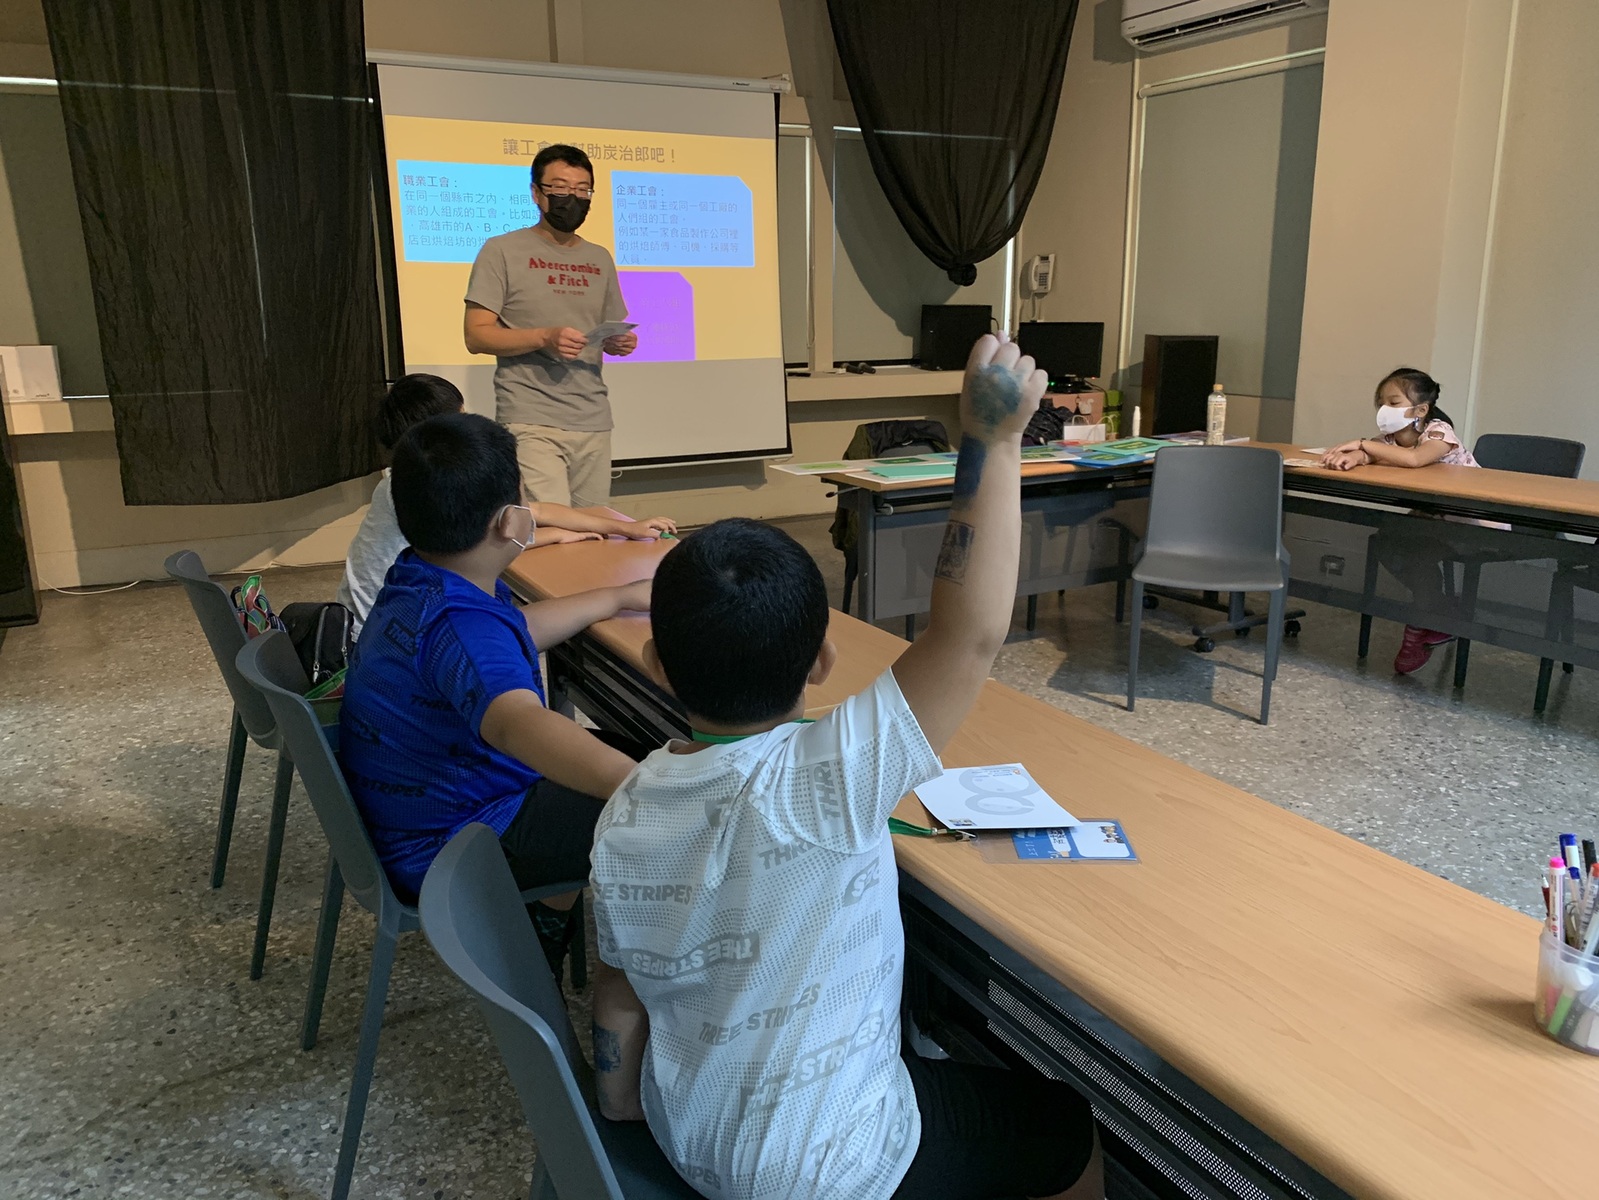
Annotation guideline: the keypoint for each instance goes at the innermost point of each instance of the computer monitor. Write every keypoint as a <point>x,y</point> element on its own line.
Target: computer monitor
<point>947,334</point>
<point>1063,350</point>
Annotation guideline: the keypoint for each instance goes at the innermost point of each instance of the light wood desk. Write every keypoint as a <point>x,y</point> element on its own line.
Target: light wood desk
<point>1258,994</point>
<point>618,644</point>
<point>1543,501</point>
<point>1372,1019</point>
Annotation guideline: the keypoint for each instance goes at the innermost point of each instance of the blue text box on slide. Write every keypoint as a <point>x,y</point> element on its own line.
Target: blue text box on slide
<point>449,209</point>
<point>669,220</point>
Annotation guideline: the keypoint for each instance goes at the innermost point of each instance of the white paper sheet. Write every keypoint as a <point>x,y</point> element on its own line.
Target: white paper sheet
<point>997,797</point>
<point>610,329</point>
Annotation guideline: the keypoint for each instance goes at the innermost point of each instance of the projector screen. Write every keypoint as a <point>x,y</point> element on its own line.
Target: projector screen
<point>685,199</point>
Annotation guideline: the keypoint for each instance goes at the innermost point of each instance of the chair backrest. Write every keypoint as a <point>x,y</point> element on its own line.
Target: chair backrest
<point>219,621</point>
<point>1217,501</point>
<point>1530,454</point>
<point>270,665</point>
<point>475,920</point>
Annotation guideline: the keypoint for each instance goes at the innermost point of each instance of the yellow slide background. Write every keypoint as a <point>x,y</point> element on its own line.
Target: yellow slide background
<point>735,308</point>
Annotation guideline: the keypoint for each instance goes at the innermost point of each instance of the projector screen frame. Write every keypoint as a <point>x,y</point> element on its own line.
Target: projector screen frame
<point>382,212</point>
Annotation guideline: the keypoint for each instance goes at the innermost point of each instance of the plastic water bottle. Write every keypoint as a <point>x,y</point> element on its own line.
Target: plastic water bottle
<point>1216,417</point>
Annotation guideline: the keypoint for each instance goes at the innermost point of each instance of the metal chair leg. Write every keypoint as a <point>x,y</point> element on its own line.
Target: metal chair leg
<point>366,1053</point>
<point>327,929</point>
<point>274,853</point>
<point>910,628</point>
<point>1032,613</point>
<point>1540,698</point>
<point>577,954</point>
<point>1365,635</point>
<point>1274,641</point>
<point>1132,643</point>
<point>1462,657</point>
<point>1121,600</point>
<point>231,775</point>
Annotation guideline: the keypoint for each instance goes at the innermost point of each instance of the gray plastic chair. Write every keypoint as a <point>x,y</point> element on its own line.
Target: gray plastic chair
<point>1215,525</point>
<point>252,718</point>
<point>270,665</point>
<point>474,920</point>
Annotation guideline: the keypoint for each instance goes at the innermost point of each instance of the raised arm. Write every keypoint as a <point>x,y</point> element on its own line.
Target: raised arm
<point>974,585</point>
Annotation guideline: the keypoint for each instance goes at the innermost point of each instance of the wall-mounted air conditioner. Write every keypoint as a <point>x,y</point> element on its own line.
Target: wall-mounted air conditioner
<point>1155,25</point>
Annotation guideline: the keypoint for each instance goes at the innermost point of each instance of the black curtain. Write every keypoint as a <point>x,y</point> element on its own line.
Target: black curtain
<point>220,153</point>
<point>956,100</point>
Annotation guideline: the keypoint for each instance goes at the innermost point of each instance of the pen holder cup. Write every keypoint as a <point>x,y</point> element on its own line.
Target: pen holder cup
<point>1566,1005</point>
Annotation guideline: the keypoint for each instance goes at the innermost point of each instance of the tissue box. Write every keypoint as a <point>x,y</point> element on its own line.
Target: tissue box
<point>30,373</point>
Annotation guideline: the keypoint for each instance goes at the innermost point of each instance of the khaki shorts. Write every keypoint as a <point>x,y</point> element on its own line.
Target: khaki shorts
<point>563,466</point>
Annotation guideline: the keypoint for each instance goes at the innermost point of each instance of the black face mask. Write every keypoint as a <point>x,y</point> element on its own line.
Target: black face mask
<point>566,213</point>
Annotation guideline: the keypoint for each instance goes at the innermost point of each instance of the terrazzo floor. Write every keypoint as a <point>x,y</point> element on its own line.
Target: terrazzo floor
<point>138,1060</point>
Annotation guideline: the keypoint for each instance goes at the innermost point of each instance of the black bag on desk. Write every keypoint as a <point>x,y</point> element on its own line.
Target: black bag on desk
<point>1046,425</point>
<point>321,633</point>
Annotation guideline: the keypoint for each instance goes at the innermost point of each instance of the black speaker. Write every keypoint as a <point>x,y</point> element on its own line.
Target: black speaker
<point>1179,372</point>
<point>948,331</point>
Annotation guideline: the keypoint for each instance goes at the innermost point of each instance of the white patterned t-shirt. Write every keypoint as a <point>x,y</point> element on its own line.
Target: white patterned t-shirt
<point>749,892</point>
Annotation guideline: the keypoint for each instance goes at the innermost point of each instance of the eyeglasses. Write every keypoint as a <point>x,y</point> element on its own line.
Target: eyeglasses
<point>560,189</point>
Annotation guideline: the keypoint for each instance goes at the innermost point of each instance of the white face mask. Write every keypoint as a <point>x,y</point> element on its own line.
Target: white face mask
<point>1391,420</point>
<point>531,525</point>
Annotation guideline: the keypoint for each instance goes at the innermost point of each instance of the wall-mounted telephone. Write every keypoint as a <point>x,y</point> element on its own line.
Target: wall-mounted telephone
<point>1039,274</point>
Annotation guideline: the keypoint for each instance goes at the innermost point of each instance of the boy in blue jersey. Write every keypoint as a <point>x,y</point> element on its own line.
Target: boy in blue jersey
<point>444,721</point>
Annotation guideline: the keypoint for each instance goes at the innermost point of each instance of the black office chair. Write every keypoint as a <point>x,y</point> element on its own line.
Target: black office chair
<point>879,439</point>
<point>1528,454</point>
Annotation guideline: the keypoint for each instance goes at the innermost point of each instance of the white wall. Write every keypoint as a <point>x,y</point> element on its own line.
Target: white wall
<point>1399,224</point>
<point>1540,349</point>
<point>1081,210</point>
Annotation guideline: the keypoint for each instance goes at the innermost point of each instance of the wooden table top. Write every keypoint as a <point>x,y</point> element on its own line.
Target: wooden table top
<point>1371,1018</point>
<point>1574,497</point>
<point>864,651</point>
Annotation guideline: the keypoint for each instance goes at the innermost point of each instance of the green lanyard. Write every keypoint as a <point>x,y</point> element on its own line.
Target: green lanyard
<point>727,739</point>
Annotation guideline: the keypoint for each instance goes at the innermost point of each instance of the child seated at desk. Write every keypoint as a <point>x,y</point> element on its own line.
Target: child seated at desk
<point>444,721</point>
<point>378,541</point>
<point>1415,433</point>
<point>744,881</point>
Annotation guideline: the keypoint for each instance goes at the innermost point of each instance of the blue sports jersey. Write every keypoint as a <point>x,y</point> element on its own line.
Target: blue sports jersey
<point>434,653</point>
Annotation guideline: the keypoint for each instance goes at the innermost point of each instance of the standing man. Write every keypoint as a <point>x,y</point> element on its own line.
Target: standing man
<point>533,296</point>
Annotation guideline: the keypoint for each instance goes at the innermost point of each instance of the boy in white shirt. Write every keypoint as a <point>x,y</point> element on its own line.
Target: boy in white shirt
<point>748,1005</point>
<point>378,541</point>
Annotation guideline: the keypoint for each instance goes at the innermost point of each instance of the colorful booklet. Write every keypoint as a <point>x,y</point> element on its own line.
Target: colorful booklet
<point>1098,840</point>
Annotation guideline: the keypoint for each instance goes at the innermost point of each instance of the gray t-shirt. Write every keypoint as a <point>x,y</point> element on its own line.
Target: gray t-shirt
<point>530,282</point>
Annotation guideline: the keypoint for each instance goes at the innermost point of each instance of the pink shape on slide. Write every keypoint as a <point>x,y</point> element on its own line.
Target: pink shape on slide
<point>661,303</point>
